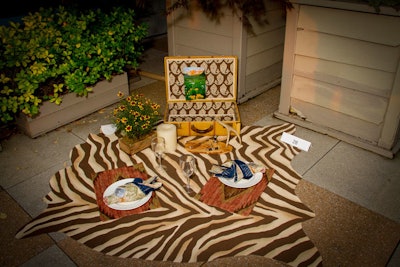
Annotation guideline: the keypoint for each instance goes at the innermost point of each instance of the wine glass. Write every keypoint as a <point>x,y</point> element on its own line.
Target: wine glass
<point>158,147</point>
<point>188,166</point>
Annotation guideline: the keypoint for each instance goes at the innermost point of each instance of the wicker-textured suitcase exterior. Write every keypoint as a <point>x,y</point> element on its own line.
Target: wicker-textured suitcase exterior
<point>193,111</point>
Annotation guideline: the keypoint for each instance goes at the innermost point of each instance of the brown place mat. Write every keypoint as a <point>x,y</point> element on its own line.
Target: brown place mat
<point>238,200</point>
<point>106,178</point>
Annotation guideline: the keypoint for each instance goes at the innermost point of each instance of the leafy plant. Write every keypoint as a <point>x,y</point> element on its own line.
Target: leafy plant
<point>243,9</point>
<point>55,51</point>
<point>377,4</point>
<point>136,115</point>
<point>255,9</point>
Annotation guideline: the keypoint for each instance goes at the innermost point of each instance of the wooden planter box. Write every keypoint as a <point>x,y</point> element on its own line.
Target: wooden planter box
<point>259,56</point>
<point>131,146</point>
<point>341,72</point>
<point>74,107</point>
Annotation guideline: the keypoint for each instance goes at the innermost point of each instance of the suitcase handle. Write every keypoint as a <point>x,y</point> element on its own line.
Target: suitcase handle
<point>209,129</point>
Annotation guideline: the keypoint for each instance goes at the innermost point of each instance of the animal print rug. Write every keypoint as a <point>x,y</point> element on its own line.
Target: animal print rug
<point>183,228</point>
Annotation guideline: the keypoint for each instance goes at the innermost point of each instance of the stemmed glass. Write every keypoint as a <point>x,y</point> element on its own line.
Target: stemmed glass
<point>188,166</point>
<point>158,147</point>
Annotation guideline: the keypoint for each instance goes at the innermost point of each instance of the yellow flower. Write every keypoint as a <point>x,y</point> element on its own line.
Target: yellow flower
<point>136,116</point>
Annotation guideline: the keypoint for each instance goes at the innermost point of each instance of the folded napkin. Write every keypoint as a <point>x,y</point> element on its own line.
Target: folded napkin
<point>237,170</point>
<point>235,200</point>
<point>104,179</point>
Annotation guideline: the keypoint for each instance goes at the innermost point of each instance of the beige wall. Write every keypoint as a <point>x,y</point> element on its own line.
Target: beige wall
<point>341,72</point>
<point>260,55</point>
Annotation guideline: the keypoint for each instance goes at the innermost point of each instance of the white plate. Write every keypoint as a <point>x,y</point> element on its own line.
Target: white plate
<point>126,205</point>
<point>243,183</point>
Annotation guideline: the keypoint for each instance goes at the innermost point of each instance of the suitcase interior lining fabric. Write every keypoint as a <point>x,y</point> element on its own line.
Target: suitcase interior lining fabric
<point>221,84</point>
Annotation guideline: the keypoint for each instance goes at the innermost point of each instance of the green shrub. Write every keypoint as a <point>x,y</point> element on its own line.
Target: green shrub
<point>55,51</point>
<point>377,4</point>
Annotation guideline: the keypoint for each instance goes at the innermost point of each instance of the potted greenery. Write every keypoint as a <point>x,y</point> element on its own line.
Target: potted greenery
<point>64,50</point>
<point>135,118</point>
<point>247,11</point>
<point>250,11</point>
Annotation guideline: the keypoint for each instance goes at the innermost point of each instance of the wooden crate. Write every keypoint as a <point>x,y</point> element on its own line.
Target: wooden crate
<point>199,115</point>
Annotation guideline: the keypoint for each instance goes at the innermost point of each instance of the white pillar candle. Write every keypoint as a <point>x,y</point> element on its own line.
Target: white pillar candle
<point>168,131</point>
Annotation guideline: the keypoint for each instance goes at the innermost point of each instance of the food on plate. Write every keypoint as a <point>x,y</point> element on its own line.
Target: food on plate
<point>125,193</point>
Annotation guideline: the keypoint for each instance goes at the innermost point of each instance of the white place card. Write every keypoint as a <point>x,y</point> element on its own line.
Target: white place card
<point>295,141</point>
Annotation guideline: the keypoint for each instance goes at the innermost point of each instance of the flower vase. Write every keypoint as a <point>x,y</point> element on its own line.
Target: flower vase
<point>132,146</point>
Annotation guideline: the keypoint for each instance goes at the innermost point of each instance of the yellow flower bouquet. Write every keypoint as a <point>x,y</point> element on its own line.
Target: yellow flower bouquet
<point>136,116</point>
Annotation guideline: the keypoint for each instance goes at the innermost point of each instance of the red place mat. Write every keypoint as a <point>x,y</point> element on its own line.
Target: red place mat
<point>106,178</point>
<point>238,200</point>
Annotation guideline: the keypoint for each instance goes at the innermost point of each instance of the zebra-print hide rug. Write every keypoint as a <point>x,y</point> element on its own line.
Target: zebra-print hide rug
<point>183,229</point>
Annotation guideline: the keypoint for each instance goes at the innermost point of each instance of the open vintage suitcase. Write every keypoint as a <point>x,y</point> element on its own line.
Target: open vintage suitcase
<point>200,91</point>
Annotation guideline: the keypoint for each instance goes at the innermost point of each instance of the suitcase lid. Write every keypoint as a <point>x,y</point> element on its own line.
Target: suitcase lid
<point>216,74</point>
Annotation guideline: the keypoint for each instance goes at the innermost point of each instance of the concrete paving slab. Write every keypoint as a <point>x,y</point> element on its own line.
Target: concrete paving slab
<point>363,177</point>
<point>30,193</point>
<point>268,120</point>
<point>53,256</point>
<point>23,157</point>
<point>153,59</point>
<point>58,236</point>
<point>387,199</point>
<point>144,81</point>
<point>91,123</point>
<point>320,146</point>
<point>395,260</point>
